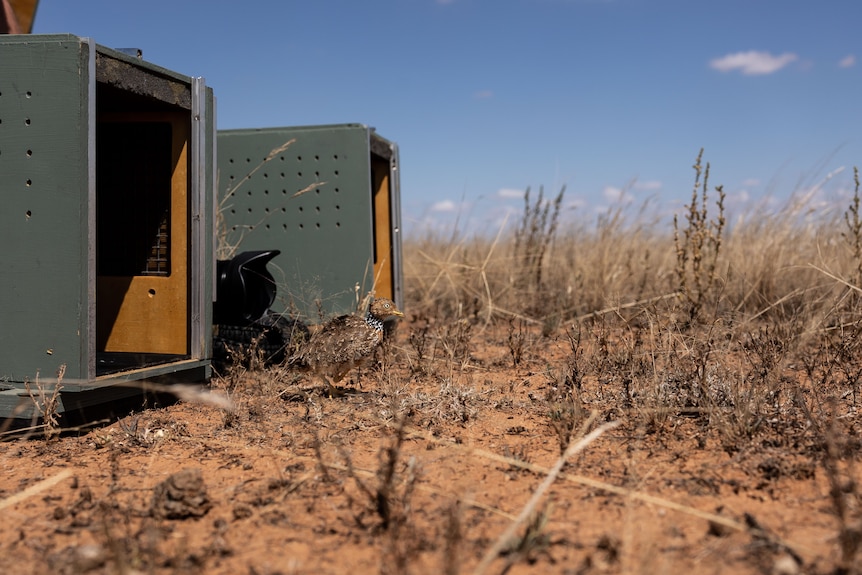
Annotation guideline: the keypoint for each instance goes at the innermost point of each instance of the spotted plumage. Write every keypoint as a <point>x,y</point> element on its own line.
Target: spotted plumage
<point>345,342</point>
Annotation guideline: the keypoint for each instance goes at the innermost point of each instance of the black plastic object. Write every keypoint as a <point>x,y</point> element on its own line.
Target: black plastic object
<point>245,289</point>
<point>272,339</point>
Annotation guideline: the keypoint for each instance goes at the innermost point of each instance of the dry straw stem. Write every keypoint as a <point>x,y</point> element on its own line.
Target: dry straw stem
<point>853,236</point>
<point>647,498</point>
<point>697,251</point>
<point>47,405</point>
<point>535,234</point>
<point>528,509</point>
<point>490,304</point>
<point>629,305</point>
<point>185,392</point>
<point>836,278</point>
<point>269,157</point>
<point>35,489</point>
<point>445,268</point>
<point>373,474</point>
<point>622,491</point>
<point>226,250</point>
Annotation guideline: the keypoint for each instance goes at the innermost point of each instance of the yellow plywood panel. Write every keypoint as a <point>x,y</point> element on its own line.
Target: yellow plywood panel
<point>382,228</point>
<point>149,313</point>
<point>25,13</point>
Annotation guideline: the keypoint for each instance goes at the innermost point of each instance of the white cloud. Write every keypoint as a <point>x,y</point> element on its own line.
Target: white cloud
<point>483,94</point>
<point>847,61</point>
<point>649,186</point>
<point>444,206</point>
<point>614,194</point>
<point>737,199</point>
<point>753,63</point>
<point>509,193</point>
<point>750,182</point>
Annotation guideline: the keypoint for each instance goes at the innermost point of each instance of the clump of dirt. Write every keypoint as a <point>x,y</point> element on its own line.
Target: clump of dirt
<point>181,495</point>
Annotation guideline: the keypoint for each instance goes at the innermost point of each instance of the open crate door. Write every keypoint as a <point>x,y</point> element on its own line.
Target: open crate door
<point>381,190</point>
<point>142,233</point>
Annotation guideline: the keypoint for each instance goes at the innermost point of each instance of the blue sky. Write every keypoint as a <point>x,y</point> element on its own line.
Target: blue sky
<point>612,98</point>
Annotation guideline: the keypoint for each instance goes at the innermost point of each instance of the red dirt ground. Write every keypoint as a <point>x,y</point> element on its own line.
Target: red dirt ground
<point>293,481</point>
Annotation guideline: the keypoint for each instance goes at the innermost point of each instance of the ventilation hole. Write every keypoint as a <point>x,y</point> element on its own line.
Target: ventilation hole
<point>316,174</point>
<point>250,228</point>
<point>29,93</point>
<point>317,225</point>
<point>301,226</point>
<point>299,158</point>
<point>29,214</point>
<point>249,210</point>
<point>300,208</point>
<point>233,228</point>
<point>298,174</point>
<point>267,226</point>
<point>248,192</point>
<point>316,190</point>
<point>281,174</point>
<point>230,161</point>
<point>265,175</point>
<point>283,191</point>
<point>266,210</point>
<point>29,153</point>
<point>281,158</point>
<point>284,226</point>
<point>337,207</point>
<point>27,122</point>
<point>231,177</point>
<point>317,209</point>
<point>151,292</point>
<point>335,156</point>
<point>316,158</point>
<point>29,183</point>
<point>233,211</point>
<point>283,209</point>
<point>248,160</point>
<point>337,190</point>
<point>336,173</point>
<point>337,224</point>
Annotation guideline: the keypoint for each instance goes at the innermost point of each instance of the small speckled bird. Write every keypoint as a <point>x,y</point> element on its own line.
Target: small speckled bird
<point>345,342</point>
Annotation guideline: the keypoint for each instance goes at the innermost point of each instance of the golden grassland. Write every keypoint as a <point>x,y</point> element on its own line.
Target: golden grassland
<point>613,397</point>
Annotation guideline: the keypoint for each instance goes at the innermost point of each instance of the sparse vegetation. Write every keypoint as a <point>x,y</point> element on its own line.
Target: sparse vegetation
<point>699,245</point>
<point>45,404</point>
<point>715,367</point>
<point>853,235</point>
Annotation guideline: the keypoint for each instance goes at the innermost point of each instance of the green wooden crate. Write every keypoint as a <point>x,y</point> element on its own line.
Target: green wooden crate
<point>328,198</point>
<point>106,232</point>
